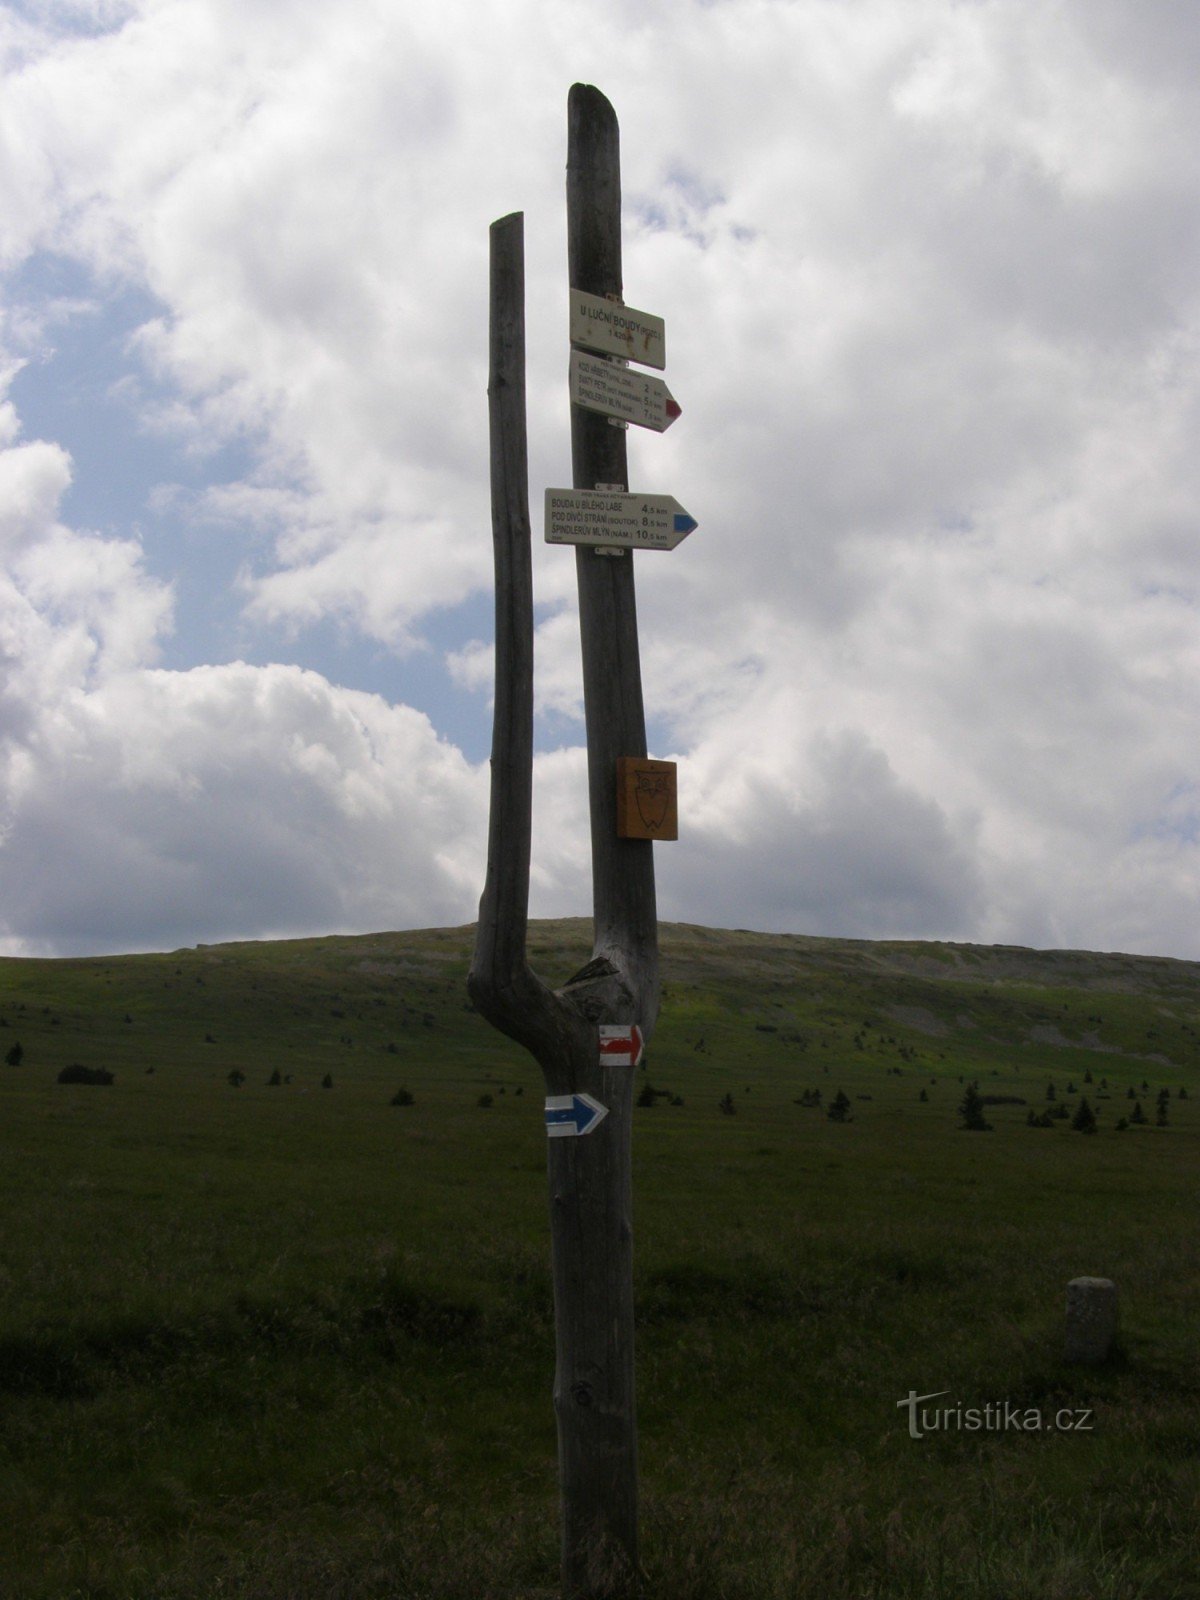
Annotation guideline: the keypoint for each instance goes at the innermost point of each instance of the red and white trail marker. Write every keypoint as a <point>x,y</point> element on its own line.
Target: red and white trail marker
<point>620,1044</point>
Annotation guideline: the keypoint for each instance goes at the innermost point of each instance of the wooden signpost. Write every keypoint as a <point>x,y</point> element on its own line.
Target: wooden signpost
<point>588,1035</point>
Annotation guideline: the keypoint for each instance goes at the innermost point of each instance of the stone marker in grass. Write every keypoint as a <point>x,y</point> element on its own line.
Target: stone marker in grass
<point>1091,1319</point>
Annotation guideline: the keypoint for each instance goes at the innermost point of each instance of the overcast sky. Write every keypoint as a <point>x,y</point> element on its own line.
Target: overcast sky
<point>930,664</point>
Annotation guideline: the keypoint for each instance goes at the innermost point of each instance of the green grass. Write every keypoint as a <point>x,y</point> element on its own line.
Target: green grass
<point>288,1341</point>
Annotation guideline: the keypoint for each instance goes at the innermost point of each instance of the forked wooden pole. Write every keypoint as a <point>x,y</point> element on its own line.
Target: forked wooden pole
<point>589,1174</point>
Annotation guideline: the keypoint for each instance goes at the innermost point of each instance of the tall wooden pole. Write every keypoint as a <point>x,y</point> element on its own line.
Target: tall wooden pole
<point>590,1176</point>
<point>622,869</point>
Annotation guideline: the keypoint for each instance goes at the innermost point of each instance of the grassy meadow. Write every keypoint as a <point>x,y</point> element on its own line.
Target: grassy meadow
<point>282,1341</point>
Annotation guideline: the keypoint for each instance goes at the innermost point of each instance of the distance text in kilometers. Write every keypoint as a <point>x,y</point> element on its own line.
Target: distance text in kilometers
<point>599,516</point>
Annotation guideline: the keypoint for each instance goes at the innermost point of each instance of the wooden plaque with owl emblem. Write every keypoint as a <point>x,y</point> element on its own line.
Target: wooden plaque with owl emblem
<point>647,807</point>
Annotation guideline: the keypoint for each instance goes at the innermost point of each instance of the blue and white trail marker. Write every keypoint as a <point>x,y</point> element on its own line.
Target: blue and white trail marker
<point>605,516</point>
<point>568,1115</point>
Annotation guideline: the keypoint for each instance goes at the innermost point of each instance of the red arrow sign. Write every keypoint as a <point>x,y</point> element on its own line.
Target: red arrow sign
<point>620,1045</point>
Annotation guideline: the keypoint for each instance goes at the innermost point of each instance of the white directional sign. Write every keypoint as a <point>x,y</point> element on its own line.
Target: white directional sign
<point>600,385</point>
<point>634,521</point>
<point>618,330</point>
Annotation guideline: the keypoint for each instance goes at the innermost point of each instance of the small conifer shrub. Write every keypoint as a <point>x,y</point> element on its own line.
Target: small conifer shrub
<point>1084,1120</point>
<point>970,1111</point>
<point>839,1108</point>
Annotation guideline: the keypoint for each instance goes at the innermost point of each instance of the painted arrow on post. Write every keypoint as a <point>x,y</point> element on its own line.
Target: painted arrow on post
<point>599,516</point>
<point>568,1115</point>
<point>600,385</point>
<point>621,1044</point>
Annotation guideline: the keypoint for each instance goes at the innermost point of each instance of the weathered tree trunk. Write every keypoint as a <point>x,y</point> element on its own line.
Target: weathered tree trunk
<point>590,1175</point>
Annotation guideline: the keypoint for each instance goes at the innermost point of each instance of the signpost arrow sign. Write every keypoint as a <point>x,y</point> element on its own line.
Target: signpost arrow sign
<point>620,1044</point>
<point>600,385</point>
<point>570,1114</point>
<point>618,330</point>
<point>634,521</point>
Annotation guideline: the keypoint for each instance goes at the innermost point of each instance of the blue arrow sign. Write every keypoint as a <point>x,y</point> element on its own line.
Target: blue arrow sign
<point>570,1114</point>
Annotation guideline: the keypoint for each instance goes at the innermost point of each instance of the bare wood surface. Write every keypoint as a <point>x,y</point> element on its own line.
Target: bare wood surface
<point>623,896</point>
<point>590,1176</point>
<point>501,983</point>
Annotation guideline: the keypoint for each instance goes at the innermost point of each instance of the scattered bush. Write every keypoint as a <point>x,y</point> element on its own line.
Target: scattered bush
<point>275,1081</point>
<point>77,1074</point>
<point>728,1105</point>
<point>15,1055</point>
<point>403,1097</point>
<point>327,1081</point>
<point>236,1078</point>
<point>484,1102</point>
